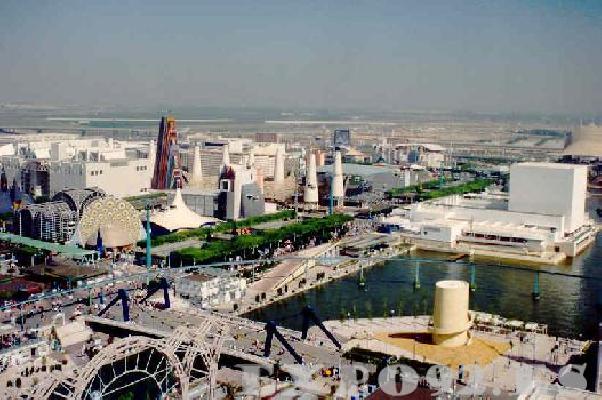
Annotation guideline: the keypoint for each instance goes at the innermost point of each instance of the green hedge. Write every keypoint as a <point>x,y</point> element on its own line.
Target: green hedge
<point>430,190</point>
<point>203,233</point>
<point>433,184</point>
<point>244,245</point>
<point>475,186</point>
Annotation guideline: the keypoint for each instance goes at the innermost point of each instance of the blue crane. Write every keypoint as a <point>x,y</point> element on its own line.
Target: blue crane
<point>123,296</point>
<point>272,330</point>
<point>309,316</point>
<point>162,284</point>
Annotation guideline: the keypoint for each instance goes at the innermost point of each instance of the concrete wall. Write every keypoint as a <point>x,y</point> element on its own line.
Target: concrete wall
<point>546,188</point>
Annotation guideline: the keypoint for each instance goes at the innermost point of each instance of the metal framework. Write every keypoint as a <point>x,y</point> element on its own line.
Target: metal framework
<point>188,358</point>
<point>56,220</point>
<point>167,164</point>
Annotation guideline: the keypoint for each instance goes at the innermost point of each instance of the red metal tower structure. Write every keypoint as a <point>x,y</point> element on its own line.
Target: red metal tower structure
<point>167,160</point>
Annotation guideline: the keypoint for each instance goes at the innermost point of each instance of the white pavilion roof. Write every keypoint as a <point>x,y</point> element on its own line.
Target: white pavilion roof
<point>179,216</point>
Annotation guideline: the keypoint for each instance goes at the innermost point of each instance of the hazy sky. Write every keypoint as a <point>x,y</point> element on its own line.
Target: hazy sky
<point>394,55</point>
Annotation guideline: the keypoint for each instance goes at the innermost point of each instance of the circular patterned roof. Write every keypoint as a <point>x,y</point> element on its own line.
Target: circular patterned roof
<point>116,219</point>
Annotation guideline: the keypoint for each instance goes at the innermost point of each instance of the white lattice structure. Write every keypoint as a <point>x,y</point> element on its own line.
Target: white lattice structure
<point>186,359</point>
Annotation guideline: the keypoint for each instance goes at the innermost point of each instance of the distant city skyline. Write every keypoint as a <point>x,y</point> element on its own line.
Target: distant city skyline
<point>506,56</point>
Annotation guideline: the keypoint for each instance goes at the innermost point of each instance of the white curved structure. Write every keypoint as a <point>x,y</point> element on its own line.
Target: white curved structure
<point>279,165</point>
<point>310,193</point>
<point>451,318</point>
<point>179,216</point>
<point>190,356</point>
<point>117,221</point>
<point>338,191</point>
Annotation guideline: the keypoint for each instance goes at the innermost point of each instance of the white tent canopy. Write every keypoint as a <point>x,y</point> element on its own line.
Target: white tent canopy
<point>179,216</point>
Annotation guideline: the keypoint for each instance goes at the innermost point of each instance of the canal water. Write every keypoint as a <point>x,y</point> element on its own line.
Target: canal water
<point>570,303</point>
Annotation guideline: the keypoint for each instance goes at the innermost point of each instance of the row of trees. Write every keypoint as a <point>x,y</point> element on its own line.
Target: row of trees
<point>433,184</point>
<point>431,190</point>
<point>204,233</point>
<point>248,246</point>
<point>474,186</point>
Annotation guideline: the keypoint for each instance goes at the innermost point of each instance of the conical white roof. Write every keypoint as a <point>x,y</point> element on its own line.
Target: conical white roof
<point>179,216</point>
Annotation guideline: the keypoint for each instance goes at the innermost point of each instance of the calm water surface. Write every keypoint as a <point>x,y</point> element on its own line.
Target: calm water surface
<point>569,305</point>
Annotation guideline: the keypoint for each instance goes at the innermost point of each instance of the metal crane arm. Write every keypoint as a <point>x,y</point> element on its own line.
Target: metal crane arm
<point>162,285</point>
<point>309,315</point>
<point>121,295</point>
<point>272,331</point>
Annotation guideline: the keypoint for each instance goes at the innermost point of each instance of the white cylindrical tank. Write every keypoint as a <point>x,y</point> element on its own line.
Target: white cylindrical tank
<point>310,194</point>
<point>451,318</point>
<point>338,191</point>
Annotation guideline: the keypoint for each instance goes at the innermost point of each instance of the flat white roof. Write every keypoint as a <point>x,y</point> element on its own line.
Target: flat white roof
<point>548,165</point>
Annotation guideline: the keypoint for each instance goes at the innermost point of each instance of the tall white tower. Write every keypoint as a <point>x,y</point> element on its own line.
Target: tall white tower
<point>152,155</point>
<point>310,193</point>
<point>196,172</point>
<point>251,159</point>
<point>279,165</point>
<point>338,191</point>
<point>251,165</point>
<point>225,157</point>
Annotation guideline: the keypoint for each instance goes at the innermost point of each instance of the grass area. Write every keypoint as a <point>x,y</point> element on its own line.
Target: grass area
<point>244,245</point>
<point>204,233</point>
<point>430,190</point>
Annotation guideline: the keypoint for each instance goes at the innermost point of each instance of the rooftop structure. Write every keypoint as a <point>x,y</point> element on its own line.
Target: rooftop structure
<point>212,287</point>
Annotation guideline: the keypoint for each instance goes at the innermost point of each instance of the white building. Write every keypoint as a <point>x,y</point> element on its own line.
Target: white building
<point>45,167</point>
<point>546,188</point>
<point>428,155</point>
<point>541,218</point>
<point>211,288</point>
<point>264,155</point>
